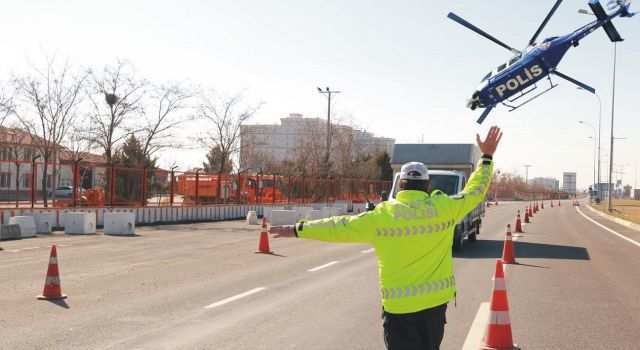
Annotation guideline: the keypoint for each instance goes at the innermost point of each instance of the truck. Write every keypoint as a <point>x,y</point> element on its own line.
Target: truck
<point>450,166</point>
<point>251,189</point>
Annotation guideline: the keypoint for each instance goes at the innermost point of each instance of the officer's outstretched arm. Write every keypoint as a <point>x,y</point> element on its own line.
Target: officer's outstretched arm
<point>475,190</point>
<point>478,184</point>
<point>357,229</point>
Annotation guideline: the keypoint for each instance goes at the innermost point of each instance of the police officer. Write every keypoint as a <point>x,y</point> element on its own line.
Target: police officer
<point>413,237</point>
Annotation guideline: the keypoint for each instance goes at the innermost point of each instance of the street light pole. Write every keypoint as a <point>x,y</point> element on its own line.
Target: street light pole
<point>327,93</point>
<point>594,148</point>
<point>599,140</point>
<point>526,176</point>
<point>613,104</point>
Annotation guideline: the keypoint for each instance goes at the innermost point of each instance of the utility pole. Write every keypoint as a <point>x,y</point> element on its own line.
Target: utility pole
<point>613,103</point>
<point>327,93</point>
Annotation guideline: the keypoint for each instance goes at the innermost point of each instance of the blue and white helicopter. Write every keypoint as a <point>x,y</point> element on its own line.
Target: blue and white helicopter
<point>518,77</point>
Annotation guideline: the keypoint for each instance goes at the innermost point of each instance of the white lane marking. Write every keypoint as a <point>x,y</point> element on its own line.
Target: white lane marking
<point>368,250</point>
<point>608,229</point>
<point>476,332</point>
<point>10,250</point>
<point>236,297</point>
<point>29,248</point>
<point>322,266</point>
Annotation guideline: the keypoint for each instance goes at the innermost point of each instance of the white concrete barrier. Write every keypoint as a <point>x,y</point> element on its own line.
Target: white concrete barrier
<point>79,223</point>
<point>266,211</point>
<point>44,221</point>
<point>340,208</point>
<point>301,211</point>
<point>313,214</point>
<point>359,208</point>
<point>119,224</point>
<point>283,217</point>
<point>252,218</point>
<point>27,225</point>
<point>327,212</point>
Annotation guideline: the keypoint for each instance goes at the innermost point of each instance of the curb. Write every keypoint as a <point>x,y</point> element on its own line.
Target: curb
<point>622,222</point>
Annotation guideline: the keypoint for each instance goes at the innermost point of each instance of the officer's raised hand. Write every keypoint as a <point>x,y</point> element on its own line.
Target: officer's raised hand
<point>489,145</point>
<point>281,231</point>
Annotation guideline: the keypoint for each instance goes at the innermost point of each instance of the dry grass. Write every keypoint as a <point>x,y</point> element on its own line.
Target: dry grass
<point>627,209</point>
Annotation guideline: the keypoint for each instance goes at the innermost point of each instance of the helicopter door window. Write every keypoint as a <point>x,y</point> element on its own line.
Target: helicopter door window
<point>501,68</point>
<point>514,60</point>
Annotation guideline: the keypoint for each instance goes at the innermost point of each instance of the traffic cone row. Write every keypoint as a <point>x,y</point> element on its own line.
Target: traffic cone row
<point>263,246</point>
<point>526,215</point>
<point>498,332</point>
<point>518,223</point>
<point>52,290</point>
<point>508,256</point>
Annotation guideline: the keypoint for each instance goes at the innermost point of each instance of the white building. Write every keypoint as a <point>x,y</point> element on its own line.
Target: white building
<point>569,183</point>
<point>548,183</point>
<point>280,142</point>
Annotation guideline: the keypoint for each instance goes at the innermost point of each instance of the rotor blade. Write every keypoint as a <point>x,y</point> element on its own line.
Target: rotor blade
<point>544,23</point>
<point>580,84</point>
<point>458,19</point>
<point>486,112</point>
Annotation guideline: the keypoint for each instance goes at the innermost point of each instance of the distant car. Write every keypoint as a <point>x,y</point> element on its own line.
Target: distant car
<point>66,191</point>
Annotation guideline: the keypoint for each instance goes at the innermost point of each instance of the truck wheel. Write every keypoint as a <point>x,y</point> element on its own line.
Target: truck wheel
<point>458,240</point>
<point>472,237</point>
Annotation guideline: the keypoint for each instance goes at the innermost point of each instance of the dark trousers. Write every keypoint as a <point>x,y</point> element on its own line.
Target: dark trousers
<point>422,330</point>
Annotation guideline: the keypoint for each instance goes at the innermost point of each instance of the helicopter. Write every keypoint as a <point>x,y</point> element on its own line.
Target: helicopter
<point>519,76</point>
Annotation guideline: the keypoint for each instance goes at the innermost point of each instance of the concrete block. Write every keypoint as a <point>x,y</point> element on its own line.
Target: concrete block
<point>283,217</point>
<point>266,211</point>
<point>340,208</point>
<point>44,221</point>
<point>27,225</point>
<point>80,223</point>
<point>313,214</point>
<point>252,218</point>
<point>358,208</point>
<point>327,212</point>
<point>10,232</point>
<point>301,211</point>
<point>119,224</point>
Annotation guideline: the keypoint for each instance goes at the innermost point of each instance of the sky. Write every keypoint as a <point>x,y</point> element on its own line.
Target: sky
<point>403,68</point>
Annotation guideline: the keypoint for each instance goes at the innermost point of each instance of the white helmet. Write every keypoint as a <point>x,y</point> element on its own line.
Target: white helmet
<point>414,171</point>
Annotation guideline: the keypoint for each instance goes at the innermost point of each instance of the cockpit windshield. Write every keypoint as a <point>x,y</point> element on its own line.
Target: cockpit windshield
<point>502,67</point>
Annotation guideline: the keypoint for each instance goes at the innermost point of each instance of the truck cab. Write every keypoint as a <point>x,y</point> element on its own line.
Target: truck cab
<point>451,182</point>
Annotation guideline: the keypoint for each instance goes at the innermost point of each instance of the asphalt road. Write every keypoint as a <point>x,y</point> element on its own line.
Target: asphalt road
<point>201,286</point>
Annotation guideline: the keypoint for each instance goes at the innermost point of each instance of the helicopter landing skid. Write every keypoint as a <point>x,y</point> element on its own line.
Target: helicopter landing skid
<point>526,91</point>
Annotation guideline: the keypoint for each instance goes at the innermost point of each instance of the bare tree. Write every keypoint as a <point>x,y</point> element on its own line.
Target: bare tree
<point>116,98</point>
<point>49,102</point>
<point>225,115</point>
<point>14,147</point>
<point>7,105</point>
<point>169,108</point>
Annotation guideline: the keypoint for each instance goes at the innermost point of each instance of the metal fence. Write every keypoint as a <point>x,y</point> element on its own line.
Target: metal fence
<point>27,184</point>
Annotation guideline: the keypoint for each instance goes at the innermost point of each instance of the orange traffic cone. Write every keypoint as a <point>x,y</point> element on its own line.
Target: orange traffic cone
<point>507,250</point>
<point>526,215</point>
<point>498,333</point>
<point>559,203</point>
<point>52,289</point>
<point>551,204</point>
<point>541,205</point>
<point>496,201</point>
<point>518,223</point>
<point>263,247</point>
<point>530,211</point>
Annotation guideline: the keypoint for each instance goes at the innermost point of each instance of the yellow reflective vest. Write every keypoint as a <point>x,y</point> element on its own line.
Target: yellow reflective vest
<point>412,236</point>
